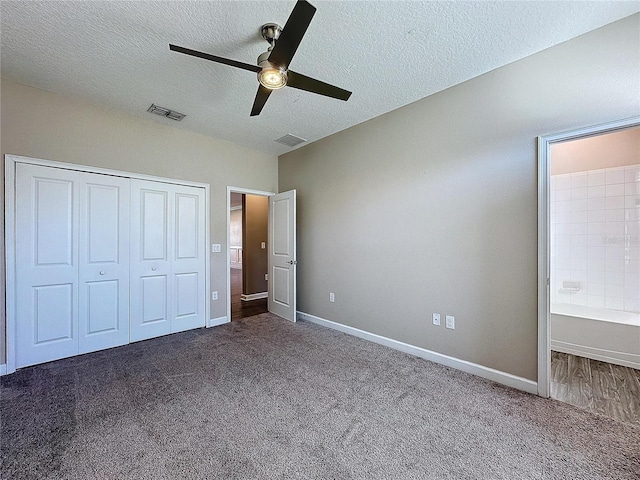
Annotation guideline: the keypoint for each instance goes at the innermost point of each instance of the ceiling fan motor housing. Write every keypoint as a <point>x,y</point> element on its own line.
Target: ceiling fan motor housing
<point>271,32</point>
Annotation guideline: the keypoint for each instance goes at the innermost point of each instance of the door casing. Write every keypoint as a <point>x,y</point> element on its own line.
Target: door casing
<point>544,255</point>
<point>245,191</point>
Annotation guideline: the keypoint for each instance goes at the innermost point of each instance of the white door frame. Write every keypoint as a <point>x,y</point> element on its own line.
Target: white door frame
<point>244,191</point>
<point>10,233</point>
<point>544,256</point>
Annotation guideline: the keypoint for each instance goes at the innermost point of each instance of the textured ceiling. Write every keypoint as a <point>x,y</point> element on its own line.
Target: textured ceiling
<point>116,53</point>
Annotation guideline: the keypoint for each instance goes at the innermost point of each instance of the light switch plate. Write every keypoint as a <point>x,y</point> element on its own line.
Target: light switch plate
<point>216,248</point>
<point>436,319</point>
<point>263,245</point>
<point>214,295</point>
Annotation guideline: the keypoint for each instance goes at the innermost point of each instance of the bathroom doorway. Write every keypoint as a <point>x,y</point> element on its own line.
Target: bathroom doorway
<point>593,309</point>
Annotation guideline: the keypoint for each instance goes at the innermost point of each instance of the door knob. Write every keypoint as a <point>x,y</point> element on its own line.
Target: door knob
<point>101,272</point>
<point>153,269</point>
<point>292,262</point>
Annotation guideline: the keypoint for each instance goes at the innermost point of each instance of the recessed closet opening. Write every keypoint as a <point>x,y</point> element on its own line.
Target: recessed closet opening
<point>100,258</point>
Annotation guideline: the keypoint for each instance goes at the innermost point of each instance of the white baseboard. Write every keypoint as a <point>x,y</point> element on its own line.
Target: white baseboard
<point>253,296</point>
<point>214,322</point>
<point>619,358</point>
<point>498,376</point>
<point>3,369</point>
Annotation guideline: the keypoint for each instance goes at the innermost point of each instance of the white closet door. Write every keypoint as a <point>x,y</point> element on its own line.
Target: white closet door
<point>167,259</point>
<point>46,264</point>
<point>188,259</point>
<point>150,259</point>
<point>103,262</point>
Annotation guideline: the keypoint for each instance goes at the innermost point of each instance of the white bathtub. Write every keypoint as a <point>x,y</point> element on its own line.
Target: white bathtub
<point>606,335</point>
<point>594,313</point>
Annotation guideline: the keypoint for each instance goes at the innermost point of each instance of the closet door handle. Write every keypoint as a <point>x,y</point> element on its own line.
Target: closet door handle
<point>101,272</point>
<point>153,269</point>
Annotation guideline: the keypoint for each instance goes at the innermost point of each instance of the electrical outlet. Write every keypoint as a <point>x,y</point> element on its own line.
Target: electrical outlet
<point>266,277</point>
<point>332,297</point>
<point>214,295</point>
<point>450,322</point>
<point>436,319</point>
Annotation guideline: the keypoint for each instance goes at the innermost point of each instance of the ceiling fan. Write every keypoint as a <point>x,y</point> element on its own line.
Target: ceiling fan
<point>273,65</point>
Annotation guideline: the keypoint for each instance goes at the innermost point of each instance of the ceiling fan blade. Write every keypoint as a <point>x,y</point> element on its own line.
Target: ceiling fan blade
<point>302,82</point>
<point>292,34</point>
<point>213,58</point>
<point>261,99</point>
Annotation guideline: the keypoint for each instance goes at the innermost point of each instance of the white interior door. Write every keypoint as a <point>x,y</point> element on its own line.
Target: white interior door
<point>168,290</point>
<point>150,264</point>
<point>282,255</point>
<point>72,270</point>
<point>103,262</point>
<point>189,295</point>
<point>46,264</point>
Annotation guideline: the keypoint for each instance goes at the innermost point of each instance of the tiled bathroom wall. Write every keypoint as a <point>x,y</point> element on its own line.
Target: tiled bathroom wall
<point>595,231</point>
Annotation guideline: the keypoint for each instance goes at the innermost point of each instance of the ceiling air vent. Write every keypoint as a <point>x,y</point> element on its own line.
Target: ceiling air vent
<point>290,140</point>
<point>165,112</point>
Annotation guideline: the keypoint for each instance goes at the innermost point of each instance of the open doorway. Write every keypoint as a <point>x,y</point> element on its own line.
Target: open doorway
<point>592,305</point>
<point>247,245</point>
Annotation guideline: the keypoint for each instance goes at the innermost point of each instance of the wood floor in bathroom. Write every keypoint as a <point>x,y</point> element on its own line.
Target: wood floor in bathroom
<point>599,387</point>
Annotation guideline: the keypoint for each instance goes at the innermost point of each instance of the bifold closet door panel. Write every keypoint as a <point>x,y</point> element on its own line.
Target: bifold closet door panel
<point>188,259</point>
<point>167,259</point>
<point>150,255</point>
<point>103,262</point>
<point>46,264</point>
<point>72,233</point>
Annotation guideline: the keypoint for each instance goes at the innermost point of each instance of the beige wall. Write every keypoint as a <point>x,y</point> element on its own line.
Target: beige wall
<point>603,151</point>
<point>254,232</point>
<point>44,125</point>
<point>433,207</point>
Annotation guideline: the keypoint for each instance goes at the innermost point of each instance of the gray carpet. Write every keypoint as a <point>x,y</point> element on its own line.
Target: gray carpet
<point>263,398</point>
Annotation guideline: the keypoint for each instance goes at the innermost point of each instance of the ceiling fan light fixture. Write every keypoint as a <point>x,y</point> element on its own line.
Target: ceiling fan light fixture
<point>272,67</point>
<point>272,77</point>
